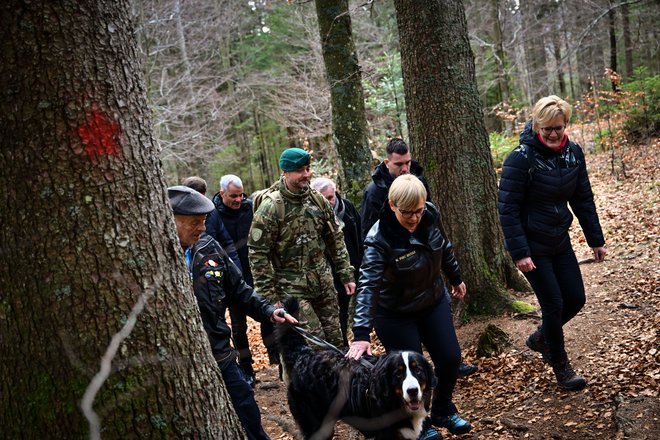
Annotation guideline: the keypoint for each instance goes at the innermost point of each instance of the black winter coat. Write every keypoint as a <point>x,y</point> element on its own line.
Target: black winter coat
<point>401,272</point>
<point>217,284</point>
<point>350,220</point>
<point>376,193</point>
<point>216,229</point>
<point>533,205</point>
<point>237,223</point>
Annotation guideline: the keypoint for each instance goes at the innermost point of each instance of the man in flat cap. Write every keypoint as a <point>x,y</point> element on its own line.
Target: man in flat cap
<point>293,230</point>
<point>217,282</point>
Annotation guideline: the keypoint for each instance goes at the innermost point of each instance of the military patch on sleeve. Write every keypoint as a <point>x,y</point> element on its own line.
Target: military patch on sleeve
<point>213,275</point>
<point>256,234</point>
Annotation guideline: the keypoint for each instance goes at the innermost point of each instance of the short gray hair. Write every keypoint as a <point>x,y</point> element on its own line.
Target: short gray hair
<point>230,179</point>
<point>322,183</point>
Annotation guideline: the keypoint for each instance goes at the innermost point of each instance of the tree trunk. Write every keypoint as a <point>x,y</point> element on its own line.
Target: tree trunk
<point>533,18</point>
<point>88,243</point>
<point>627,41</point>
<point>613,53</point>
<point>556,43</point>
<point>448,136</point>
<point>502,79</point>
<point>349,121</point>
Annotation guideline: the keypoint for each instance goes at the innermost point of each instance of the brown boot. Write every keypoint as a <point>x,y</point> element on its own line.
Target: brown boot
<point>566,376</point>
<point>536,342</point>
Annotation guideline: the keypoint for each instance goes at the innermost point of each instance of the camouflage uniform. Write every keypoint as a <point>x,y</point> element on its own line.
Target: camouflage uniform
<point>288,257</point>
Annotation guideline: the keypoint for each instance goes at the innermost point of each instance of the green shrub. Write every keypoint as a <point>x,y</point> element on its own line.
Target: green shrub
<point>643,113</point>
<point>500,146</point>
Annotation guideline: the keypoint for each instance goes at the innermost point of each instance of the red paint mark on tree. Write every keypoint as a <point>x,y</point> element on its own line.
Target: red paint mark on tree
<point>100,135</point>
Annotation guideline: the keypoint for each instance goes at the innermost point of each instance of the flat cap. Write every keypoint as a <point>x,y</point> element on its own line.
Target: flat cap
<point>293,158</point>
<point>187,201</point>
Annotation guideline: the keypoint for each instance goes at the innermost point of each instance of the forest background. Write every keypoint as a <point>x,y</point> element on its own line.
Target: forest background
<point>99,330</point>
<point>233,83</point>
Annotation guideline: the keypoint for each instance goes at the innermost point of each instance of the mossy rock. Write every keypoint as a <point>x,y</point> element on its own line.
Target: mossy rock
<point>522,307</point>
<point>492,341</point>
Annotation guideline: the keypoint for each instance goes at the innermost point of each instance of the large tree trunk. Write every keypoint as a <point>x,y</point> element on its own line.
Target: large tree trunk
<point>88,243</point>
<point>448,136</point>
<point>349,121</point>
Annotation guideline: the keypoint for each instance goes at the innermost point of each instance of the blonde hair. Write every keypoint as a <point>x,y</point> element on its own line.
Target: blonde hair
<point>407,191</point>
<point>549,108</point>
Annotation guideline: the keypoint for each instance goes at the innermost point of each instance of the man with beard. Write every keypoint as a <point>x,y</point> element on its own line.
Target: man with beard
<point>349,218</point>
<point>293,230</point>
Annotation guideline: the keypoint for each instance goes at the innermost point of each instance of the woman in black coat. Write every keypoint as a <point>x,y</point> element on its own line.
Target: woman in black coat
<point>540,178</point>
<point>403,295</point>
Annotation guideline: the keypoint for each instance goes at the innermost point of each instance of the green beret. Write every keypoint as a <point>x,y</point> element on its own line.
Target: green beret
<point>294,158</point>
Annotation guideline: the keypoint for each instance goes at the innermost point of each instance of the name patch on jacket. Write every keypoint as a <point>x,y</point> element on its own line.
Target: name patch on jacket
<point>405,256</point>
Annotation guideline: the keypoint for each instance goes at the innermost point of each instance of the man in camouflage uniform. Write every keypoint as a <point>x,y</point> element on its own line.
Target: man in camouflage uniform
<point>288,243</point>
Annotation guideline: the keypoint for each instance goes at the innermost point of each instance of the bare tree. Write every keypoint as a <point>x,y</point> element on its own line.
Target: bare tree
<point>99,330</point>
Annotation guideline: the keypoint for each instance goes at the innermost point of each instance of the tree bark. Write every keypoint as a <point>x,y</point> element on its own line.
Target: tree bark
<point>533,17</point>
<point>349,121</point>
<point>613,52</point>
<point>449,138</point>
<point>88,243</point>
<point>502,78</point>
<point>627,41</point>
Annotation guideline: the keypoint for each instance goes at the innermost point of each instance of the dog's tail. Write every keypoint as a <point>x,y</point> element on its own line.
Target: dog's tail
<point>290,343</point>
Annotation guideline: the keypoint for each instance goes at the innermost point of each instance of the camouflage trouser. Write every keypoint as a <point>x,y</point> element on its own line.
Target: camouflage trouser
<point>320,314</point>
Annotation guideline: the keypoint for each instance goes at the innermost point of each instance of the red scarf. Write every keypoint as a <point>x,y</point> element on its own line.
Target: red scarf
<point>562,145</point>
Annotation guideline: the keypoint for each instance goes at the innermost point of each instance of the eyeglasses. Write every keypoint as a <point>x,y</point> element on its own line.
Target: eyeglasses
<point>409,214</point>
<point>549,130</point>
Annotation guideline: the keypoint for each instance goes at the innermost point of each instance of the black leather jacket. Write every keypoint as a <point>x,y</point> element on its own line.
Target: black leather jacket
<point>401,272</point>
<point>533,206</point>
<point>218,283</point>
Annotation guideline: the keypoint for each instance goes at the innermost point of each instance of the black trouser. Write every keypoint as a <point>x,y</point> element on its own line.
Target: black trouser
<point>557,283</point>
<point>434,329</point>
<point>239,335</point>
<point>242,397</point>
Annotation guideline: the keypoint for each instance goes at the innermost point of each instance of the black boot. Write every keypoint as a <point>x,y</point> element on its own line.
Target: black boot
<point>465,370</point>
<point>566,376</point>
<point>536,342</point>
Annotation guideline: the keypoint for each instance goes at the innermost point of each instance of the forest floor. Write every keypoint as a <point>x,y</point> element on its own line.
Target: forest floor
<point>613,342</point>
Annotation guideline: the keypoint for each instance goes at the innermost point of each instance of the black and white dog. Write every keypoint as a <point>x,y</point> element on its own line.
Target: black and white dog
<point>387,401</point>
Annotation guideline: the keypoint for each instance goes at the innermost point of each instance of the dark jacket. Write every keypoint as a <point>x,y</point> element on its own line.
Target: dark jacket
<point>216,229</point>
<point>401,272</point>
<point>217,284</point>
<point>350,218</point>
<point>351,226</point>
<point>533,205</point>
<point>376,193</point>
<point>237,223</point>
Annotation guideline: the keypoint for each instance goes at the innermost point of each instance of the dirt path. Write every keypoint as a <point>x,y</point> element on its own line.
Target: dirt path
<point>613,342</point>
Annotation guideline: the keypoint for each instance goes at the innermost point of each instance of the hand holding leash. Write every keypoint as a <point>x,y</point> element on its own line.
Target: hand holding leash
<point>357,349</point>
<point>281,316</point>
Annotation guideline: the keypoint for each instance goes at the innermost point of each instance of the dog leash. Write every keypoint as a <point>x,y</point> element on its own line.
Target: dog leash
<point>325,344</point>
